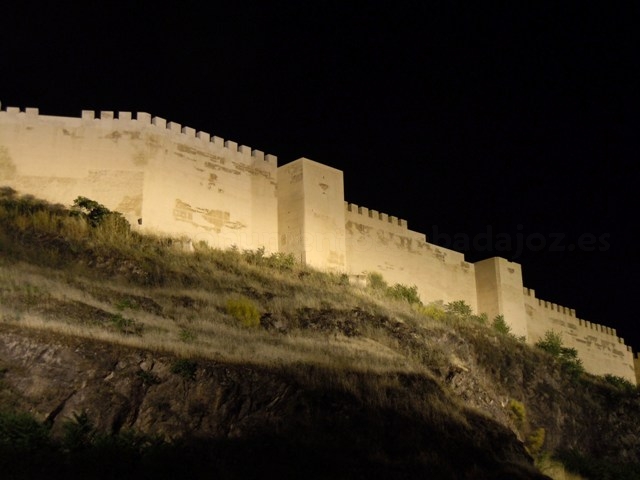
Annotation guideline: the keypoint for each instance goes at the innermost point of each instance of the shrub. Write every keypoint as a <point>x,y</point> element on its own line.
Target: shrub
<point>187,336</point>
<point>281,261</point>
<point>254,257</point>
<point>399,291</point>
<point>568,357</point>
<point>97,215</point>
<point>535,441</point>
<point>185,368</point>
<point>94,212</point>
<point>500,325</point>
<point>278,260</point>
<point>79,433</point>
<point>620,383</point>
<point>148,378</point>
<point>518,413</point>
<point>571,364</point>
<point>21,432</point>
<point>128,326</point>
<point>552,343</point>
<point>592,467</point>
<point>127,303</point>
<point>377,282</point>
<point>244,310</point>
<point>481,318</point>
<point>459,309</point>
<point>433,310</point>
<point>404,292</point>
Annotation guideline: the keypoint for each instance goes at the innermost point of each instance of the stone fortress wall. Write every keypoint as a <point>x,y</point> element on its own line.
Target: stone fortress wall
<point>163,176</point>
<point>377,242</point>
<point>170,179</point>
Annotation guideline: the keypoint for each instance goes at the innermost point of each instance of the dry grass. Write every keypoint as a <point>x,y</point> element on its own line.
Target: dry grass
<point>46,301</point>
<point>60,274</point>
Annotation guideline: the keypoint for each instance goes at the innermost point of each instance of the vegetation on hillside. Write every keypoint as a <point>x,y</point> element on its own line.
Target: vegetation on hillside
<point>83,272</point>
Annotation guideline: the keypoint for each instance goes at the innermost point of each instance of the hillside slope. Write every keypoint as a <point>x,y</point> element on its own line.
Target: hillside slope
<point>251,366</point>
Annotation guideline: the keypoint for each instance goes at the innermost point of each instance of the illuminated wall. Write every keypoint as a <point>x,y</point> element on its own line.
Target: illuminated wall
<point>311,216</point>
<point>499,292</point>
<point>599,348</point>
<point>377,242</point>
<point>164,177</point>
<point>171,180</point>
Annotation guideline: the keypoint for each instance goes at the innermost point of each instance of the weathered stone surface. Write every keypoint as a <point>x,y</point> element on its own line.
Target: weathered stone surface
<point>55,377</point>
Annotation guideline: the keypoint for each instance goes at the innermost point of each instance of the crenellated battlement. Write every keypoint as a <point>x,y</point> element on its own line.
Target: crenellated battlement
<point>169,178</point>
<point>143,119</point>
<point>571,313</point>
<point>375,215</point>
<point>600,328</point>
<point>530,292</point>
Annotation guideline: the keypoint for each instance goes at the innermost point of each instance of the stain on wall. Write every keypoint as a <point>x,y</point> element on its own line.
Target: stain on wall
<point>7,167</point>
<point>192,184</point>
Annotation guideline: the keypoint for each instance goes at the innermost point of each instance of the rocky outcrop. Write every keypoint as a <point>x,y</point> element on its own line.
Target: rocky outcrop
<point>285,420</point>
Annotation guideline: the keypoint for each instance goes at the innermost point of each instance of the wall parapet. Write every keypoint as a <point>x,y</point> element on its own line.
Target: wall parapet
<point>530,292</point>
<point>376,215</point>
<point>570,312</point>
<point>374,239</point>
<point>146,119</point>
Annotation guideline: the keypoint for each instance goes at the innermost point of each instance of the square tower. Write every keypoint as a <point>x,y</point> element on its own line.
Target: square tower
<point>311,222</point>
<point>500,292</point>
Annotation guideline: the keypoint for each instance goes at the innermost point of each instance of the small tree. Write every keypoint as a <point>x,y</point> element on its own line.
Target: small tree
<point>94,212</point>
<point>500,325</point>
<point>105,222</point>
<point>552,343</point>
<point>567,356</point>
<point>404,292</point>
<point>459,308</point>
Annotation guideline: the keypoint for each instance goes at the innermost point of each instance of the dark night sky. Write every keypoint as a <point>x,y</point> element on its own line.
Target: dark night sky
<point>461,118</point>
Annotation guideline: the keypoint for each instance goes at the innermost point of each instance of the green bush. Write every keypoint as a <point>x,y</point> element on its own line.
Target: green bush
<point>620,383</point>
<point>79,433</point>
<point>481,318</point>
<point>518,413</point>
<point>128,326</point>
<point>185,368</point>
<point>278,260</point>
<point>127,303</point>
<point>21,432</point>
<point>94,212</point>
<point>404,292</point>
<point>243,310</point>
<point>459,309</point>
<point>500,325</point>
<point>377,282</point>
<point>254,257</point>
<point>187,336</point>
<point>601,468</point>
<point>552,343</point>
<point>281,261</point>
<point>568,357</point>
<point>535,441</point>
<point>107,225</point>
<point>433,310</point>
<point>148,378</point>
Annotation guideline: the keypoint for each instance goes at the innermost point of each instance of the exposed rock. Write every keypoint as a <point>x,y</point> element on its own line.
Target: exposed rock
<point>294,413</point>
